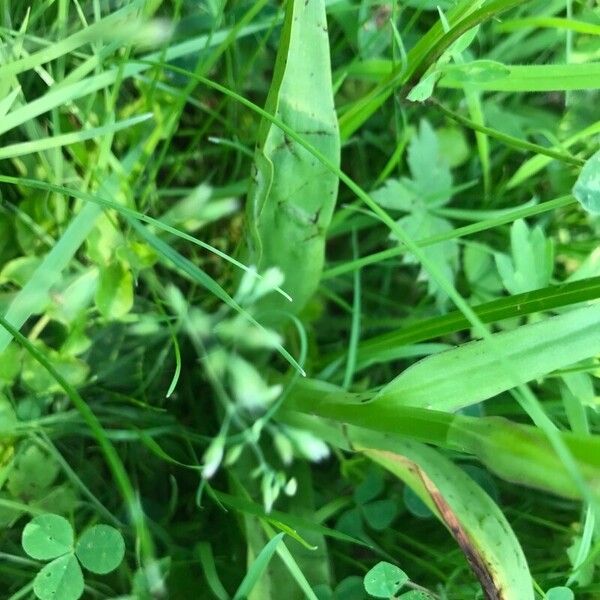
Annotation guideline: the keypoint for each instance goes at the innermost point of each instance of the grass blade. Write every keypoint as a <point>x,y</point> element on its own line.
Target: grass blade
<point>474,520</point>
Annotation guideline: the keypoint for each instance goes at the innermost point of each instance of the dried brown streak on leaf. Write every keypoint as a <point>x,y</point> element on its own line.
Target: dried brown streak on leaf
<point>478,563</point>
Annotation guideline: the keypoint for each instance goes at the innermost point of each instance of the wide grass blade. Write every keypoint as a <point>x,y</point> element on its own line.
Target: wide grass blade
<point>526,78</point>
<point>292,196</point>
<point>472,373</point>
<point>472,517</point>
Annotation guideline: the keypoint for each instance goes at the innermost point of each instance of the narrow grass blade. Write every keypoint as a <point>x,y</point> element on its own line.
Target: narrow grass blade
<point>57,141</point>
<point>529,78</point>
<point>257,568</point>
<point>387,346</point>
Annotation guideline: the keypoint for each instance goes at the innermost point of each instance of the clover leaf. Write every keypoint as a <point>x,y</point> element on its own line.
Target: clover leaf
<point>50,537</point>
<point>47,537</point>
<point>101,549</point>
<point>60,579</point>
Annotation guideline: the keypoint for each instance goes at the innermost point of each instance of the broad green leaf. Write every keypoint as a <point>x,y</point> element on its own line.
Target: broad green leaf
<point>62,578</point>
<point>292,195</point>
<point>430,172</point>
<point>415,506</point>
<point>453,146</point>
<point>416,595</point>
<point>10,364</point>
<point>114,295</point>
<point>472,372</point>
<point>47,536</point>
<point>476,523</point>
<point>444,254</point>
<point>385,580</point>
<point>101,549</point>
<point>70,301</point>
<point>369,488</point>
<point>587,186</point>
<point>350,588</point>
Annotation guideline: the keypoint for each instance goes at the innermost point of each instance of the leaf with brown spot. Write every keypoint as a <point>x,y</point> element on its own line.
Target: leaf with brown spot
<point>474,520</point>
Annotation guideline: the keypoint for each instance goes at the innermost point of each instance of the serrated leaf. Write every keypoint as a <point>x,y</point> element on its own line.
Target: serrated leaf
<point>428,168</point>
<point>396,194</point>
<point>47,536</point>
<point>385,580</point>
<point>61,579</point>
<point>587,186</point>
<point>424,89</point>
<point>532,261</point>
<point>444,254</point>
<point>114,295</point>
<point>101,549</point>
